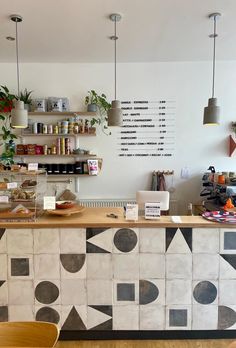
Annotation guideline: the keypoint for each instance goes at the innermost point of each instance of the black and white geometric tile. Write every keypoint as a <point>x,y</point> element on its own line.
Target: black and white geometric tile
<point>3,241</point>
<point>178,317</point>
<point>126,240</point>
<point>121,278</point>
<point>152,240</point>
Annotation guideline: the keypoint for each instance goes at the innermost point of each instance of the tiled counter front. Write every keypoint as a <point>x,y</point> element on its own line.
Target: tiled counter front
<point>120,279</point>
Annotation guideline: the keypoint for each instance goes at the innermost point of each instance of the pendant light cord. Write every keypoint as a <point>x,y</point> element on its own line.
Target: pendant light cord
<point>17,62</point>
<point>115,38</point>
<point>214,59</point>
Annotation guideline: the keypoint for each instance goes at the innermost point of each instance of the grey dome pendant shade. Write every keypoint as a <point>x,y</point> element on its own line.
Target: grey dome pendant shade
<point>115,114</point>
<point>212,111</point>
<point>19,116</point>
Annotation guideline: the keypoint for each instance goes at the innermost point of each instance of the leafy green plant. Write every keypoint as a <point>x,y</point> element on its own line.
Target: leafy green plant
<point>25,96</point>
<point>6,104</point>
<point>103,106</point>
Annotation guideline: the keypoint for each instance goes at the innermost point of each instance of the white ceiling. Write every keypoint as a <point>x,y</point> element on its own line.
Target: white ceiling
<point>150,30</point>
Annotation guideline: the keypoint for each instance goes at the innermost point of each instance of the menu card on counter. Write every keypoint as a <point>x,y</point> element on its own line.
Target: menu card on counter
<point>152,211</point>
<point>132,212</point>
<point>49,202</point>
<point>33,166</point>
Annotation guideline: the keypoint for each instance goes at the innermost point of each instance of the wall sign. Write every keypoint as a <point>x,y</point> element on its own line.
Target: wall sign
<point>148,129</point>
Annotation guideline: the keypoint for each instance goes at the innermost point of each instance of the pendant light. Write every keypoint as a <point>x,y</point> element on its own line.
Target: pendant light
<point>19,116</point>
<point>115,115</point>
<point>212,111</point>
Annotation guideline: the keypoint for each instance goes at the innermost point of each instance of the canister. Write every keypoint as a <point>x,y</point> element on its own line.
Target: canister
<point>50,129</point>
<point>35,128</point>
<point>62,146</point>
<point>45,149</point>
<point>71,127</point>
<point>45,128</point>
<point>54,149</point>
<point>58,146</point>
<point>67,146</point>
<point>64,127</point>
<point>55,129</point>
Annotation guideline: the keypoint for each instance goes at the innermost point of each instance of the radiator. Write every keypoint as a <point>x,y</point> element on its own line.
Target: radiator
<point>105,202</point>
<point>94,203</point>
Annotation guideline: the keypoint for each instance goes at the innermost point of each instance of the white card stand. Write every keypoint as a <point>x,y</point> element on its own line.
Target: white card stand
<point>132,212</point>
<point>152,211</point>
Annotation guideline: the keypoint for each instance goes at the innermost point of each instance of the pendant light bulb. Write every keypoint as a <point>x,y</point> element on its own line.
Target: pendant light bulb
<point>19,116</point>
<point>115,114</point>
<point>212,111</point>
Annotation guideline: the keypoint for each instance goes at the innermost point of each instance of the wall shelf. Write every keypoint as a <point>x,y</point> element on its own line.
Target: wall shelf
<point>59,135</point>
<point>51,155</point>
<point>65,113</point>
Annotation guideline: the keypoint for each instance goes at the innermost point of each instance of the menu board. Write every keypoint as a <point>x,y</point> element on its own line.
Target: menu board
<point>148,128</point>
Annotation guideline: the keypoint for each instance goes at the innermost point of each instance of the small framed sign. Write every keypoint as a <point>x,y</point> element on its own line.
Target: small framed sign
<point>132,212</point>
<point>49,202</point>
<point>152,211</point>
<point>33,166</point>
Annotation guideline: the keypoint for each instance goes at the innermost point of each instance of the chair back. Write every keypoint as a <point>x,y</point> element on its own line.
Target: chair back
<point>28,334</point>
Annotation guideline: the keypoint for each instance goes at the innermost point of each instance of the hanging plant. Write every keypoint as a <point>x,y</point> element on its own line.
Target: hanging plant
<point>6,105</point>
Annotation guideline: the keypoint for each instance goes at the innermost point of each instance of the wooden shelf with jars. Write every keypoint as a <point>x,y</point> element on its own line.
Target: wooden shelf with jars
<point>63,113</point>
<point>57,155</point>
<point>58,135</point>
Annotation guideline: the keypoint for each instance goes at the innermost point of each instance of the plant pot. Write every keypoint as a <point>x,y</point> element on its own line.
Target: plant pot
<point>92,108</point>
<point>27,107</point>
<point>92,130</point>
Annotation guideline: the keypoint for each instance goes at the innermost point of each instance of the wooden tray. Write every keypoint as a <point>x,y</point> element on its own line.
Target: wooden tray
<point>67,212</point>
<point>10,215</point>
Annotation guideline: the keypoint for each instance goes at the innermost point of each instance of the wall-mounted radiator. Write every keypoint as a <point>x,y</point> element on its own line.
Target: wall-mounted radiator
<point>93,203</point>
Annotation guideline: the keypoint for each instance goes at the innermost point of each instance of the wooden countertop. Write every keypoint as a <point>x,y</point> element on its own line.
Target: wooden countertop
<point>96,217</point>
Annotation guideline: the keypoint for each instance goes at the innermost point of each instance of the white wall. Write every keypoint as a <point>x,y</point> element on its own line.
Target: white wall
<point>197,146</point>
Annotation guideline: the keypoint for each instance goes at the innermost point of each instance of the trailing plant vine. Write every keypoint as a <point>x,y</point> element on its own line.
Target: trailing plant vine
<point>6,104</point>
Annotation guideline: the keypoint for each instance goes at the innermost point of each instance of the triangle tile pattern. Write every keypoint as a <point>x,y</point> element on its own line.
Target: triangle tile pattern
<point>73,321</point>
<point>180,246</point>
<point>2,231</point>
<point>187,233</point>
<point>230,258</point>
<point>91,232</point>
<point>170,233</point>
<point>226,270</point>
<point>102,240</point>
<point>107,325</point>
<point>226,317</point>
<point>97,318</point>
<point>2,282</point>
<point>104,309</point>
<point>90,248</point>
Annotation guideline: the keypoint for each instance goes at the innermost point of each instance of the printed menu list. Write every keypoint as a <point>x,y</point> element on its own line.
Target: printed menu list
<point>148,128</point>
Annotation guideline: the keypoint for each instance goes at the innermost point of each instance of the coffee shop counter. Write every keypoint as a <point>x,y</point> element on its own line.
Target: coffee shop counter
<point>103,277</point>
<point>97,217</point>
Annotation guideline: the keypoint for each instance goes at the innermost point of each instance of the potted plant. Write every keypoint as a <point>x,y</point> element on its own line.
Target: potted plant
<point>6,104</point>
<point>25,96</point>
<point>102,106</point>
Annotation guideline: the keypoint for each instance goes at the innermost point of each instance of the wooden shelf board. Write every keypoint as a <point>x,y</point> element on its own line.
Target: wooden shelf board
<point>65,113</point>
<point>59,135</point>
<point>71,155</point>
<point>74,175</point>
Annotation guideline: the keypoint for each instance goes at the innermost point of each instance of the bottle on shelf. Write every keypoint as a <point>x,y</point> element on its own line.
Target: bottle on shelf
<point>190,209</point>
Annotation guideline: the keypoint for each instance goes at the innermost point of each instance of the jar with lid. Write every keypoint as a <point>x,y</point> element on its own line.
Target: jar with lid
<point>54,149</point>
